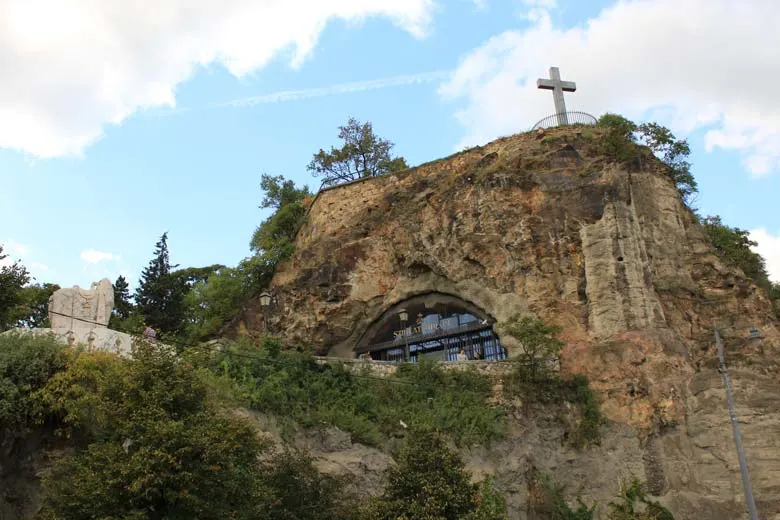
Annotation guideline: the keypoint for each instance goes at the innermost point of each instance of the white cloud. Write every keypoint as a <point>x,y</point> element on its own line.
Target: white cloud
<point>39,266</point>
<point>14,251</point>
<point>14,248</point>
<point>696,62</point>
<point>92,256</point>
<point>79,65</point>
<point>768,247</point>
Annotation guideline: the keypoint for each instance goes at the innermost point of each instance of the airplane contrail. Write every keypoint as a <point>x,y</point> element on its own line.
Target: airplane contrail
<point>309,93</point>
<point>341,88</point>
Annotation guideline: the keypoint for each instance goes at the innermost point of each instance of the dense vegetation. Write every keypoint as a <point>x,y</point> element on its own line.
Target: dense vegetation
<point>294,387</point>
<point>151,441</point>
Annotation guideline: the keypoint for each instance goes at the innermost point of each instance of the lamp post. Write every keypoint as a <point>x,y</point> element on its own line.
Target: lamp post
<point>746,485</point>
<point>265,301</point>
<point>404,316</point>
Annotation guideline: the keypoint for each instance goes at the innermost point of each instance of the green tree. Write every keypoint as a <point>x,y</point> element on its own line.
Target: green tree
<point>538,342</point>
<point>32,311</point>
<point>149,443</point>
<point>430,482</point>
<point>734,246</point>
<point>363,154</point>
<point>674,154</point>
<point>622,135</point>
<point>27,363</point>
<point>296,490</point>
<point>160,294</point>
<point>12,279</point>
<point>213,302</point>
<point>273,239</point>
<point>122,304</point>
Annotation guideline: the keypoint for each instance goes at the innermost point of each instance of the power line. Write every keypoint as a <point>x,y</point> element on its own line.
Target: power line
<point>269,361</point>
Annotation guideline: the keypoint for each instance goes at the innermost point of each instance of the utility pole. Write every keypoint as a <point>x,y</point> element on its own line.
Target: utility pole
<point>746,485</point>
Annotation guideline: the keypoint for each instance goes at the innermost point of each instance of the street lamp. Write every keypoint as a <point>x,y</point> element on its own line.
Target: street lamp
<point>404,316</point>
<point>746,485</point>
<point>265,301</point>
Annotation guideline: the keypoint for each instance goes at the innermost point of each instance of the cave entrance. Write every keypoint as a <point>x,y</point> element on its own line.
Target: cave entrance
<point>437,326</point>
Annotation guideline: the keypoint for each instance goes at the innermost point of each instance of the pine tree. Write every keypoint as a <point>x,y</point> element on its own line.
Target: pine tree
<point>160,295</point>
<point>122,305</point>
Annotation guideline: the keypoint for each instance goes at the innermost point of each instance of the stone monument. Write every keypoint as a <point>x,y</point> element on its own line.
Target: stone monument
<point>80,316</point>
<point>75,307</point>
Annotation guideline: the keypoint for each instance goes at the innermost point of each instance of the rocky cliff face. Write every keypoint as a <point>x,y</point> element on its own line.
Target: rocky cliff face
<point>551,227</point>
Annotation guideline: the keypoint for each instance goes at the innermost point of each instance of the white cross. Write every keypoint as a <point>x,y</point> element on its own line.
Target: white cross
<point>558,87</point>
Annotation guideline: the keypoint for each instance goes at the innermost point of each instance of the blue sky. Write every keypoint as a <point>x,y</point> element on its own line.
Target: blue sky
<point>121,125</point>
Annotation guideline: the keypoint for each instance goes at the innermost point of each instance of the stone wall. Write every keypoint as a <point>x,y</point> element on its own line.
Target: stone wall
<point>494,369</point>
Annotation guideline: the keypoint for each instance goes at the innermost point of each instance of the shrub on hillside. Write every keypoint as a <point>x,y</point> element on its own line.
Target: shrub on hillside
<point>149,444</point>
<point>430,482</point>
<point>27,363</point>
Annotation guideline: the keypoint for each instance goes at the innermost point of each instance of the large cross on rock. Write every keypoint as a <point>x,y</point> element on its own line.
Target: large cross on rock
<point>558,87</point>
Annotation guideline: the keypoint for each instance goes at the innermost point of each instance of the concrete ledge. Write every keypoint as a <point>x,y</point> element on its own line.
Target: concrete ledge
<point>96,339</point>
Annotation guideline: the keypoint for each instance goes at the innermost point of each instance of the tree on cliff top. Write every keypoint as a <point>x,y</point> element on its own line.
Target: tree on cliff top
<point>673,152</point>
<point>363,154</point>
<point>273,238</point>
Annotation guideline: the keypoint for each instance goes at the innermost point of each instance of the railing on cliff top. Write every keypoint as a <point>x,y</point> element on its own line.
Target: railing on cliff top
<point>565,118</point>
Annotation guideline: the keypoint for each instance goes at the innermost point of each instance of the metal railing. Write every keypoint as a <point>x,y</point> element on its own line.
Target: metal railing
<point>565,118</point>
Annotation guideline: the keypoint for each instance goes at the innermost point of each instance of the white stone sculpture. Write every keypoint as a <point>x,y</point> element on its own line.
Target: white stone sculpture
<point>79,318</point>
<point>77,308</point>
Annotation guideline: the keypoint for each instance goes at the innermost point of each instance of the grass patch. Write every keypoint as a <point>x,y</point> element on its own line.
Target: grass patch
<point>299,391</point>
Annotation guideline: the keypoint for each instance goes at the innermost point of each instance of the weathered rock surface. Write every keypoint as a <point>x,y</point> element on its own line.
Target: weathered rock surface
<point>74,307</point>
<point>551,227</point>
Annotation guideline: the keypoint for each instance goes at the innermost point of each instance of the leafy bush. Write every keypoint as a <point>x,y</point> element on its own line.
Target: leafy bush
<point>292,385</point>
<point>538,343</point>
<point>296,490</point>
<point>430,482</point>
<point>27,362</point>
<point>734,246</point>
<point>149,444</point>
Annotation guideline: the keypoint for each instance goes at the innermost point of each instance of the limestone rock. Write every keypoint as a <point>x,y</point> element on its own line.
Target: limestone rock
<point>608,251</point>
